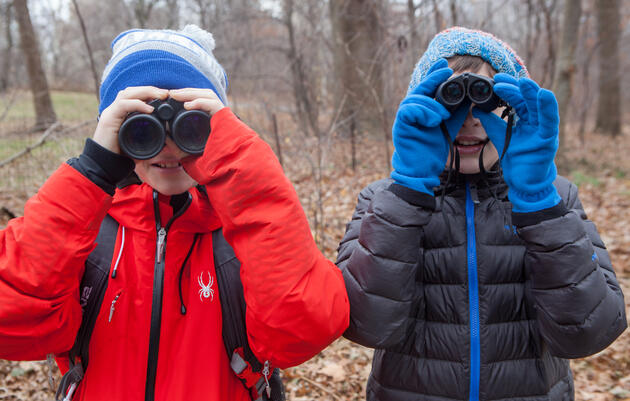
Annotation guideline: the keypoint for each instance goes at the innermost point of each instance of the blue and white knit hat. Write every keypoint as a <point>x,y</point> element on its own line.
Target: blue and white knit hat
<point>463,41</point>
<point>163,58</point>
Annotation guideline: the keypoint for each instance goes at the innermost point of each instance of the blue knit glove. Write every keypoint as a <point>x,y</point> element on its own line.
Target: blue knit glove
<point>421,150</point>
<point>528,165</point>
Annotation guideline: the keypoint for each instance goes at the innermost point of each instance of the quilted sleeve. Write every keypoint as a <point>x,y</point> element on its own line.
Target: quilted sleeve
<point>379,257</point>
<point>579,302</point>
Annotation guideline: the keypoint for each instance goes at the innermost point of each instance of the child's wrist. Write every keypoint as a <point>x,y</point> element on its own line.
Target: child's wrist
<point>102,166</point>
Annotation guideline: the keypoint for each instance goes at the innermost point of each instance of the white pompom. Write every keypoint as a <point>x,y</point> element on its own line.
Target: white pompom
<point>204,38</point>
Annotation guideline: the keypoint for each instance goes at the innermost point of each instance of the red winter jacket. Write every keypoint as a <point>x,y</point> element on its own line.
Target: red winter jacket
<point>296,299</point>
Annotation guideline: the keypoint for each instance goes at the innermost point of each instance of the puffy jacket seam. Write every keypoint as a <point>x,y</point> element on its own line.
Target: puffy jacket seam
<point>562,379</point>
<point>386,257</point>
<point>424,358</point>
<point>575,325</point>
<point>572,242</point>
<point>511,321</point>
<point>413,392</point>
<point>445,247</point>
<point>500,245</point>
<point>569,285</point>
<point>441,284</point>
<point>505,283</point>
<point>366,291</point>
<point>511,360</point>
<point>438,322</point>
<point>384,217</point>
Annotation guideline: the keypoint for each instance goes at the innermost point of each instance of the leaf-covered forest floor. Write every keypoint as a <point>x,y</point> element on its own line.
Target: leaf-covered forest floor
<point>599,165</point>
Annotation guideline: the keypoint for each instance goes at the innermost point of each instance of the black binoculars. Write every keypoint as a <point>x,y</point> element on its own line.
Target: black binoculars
<point>142,136</point>
<point>477,88</point>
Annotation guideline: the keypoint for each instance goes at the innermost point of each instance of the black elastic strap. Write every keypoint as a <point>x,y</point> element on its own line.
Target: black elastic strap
<point>452,152</point>
<point>181,274</point>
<point>92,292</point>
<point>72,376</point>
<point>509,112</point>
<point>454,160</point>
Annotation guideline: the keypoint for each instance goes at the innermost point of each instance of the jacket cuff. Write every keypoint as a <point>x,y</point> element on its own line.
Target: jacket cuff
<point>531,218</point>
<point>227,135</point>
<point>413,197</point>
<point>102,166</point>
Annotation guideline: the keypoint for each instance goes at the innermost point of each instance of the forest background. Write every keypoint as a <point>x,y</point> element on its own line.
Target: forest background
<point>320,80</point>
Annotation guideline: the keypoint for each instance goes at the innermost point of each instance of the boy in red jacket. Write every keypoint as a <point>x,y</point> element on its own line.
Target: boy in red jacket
<point>158,333</point>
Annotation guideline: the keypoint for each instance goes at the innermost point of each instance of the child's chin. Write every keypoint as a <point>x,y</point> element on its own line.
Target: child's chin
<point>469,165</point>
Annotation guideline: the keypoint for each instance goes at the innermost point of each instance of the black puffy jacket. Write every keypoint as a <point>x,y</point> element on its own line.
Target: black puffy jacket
<point>462,305</point>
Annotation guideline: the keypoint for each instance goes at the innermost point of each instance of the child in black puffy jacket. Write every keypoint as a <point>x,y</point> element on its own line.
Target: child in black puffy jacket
<point>479,280</point>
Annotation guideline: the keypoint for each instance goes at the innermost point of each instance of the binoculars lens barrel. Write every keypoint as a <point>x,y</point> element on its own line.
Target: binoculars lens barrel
<point>477,88</point>
<point>479,91</point>
<point>453,92</point>
<point>142,136</point>
<point>191,130</point>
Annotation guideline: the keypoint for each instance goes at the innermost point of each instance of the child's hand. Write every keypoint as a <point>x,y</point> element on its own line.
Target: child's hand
<point>198,99</point>
<point>128,100</point>
<point>421,150</point>
<point>528,164</point>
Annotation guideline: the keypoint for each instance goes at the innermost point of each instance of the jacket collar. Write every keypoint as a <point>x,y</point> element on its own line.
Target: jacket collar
<point>489,184</point>
<point>132,207</point>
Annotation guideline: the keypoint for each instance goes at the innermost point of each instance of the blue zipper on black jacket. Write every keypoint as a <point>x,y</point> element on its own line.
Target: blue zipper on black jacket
<point>473,297</point>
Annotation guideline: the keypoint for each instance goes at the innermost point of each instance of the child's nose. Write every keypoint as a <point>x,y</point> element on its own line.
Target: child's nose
<point>470,120</point>
<point>171,148</point>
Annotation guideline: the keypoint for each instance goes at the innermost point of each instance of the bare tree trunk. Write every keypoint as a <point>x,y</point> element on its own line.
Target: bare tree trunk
<point>44,112</point>
<point>413,29</point>
<point>358,34</point>
<point>609,104</point>
<point>353,145</point>
<point>565,67</point>
<point>307,109</point>
<point>276,136</point>
<point>549,64</point>
<point>142,11</point>
<point>589,48</point>
<point>87,47</point>
<point>528,32</point>
<point>173,14</point>
<point>453,5</point>
<point>203,13</point>
<point>587,101</point>
<point>439,20</point>
<point>6,53</point>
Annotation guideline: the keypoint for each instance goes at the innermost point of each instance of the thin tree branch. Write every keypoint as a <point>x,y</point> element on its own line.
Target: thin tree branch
<point>88,47</point>
<point>319,387</point>
<point>39,143</point>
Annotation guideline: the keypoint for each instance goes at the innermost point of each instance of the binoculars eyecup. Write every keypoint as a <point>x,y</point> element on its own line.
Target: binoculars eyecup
<point>143,136</point>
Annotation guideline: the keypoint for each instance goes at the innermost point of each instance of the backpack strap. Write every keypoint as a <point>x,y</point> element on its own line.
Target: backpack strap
<point>227,266</point>
<point>92,291</point>
<point>243,361</point>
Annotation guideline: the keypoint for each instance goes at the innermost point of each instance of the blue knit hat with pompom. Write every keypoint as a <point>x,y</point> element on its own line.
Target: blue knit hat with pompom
<point>164,58</point>
<point>468,42</point>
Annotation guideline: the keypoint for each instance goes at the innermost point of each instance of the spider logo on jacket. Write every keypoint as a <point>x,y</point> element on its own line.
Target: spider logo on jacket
<point>206,291</point>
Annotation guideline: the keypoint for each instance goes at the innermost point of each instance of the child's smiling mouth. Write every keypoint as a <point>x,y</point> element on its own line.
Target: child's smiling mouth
<point>470,145</point>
